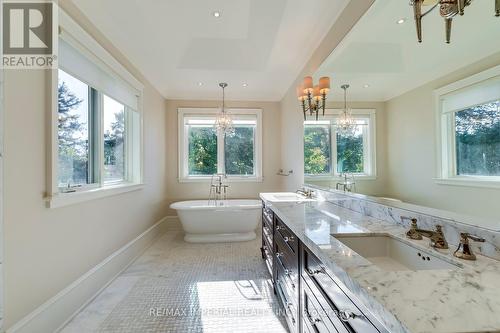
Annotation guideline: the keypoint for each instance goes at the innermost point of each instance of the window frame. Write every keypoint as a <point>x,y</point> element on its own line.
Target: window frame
<point>73,33</point>
<point>183,175</point>
<point>446,159</point>
<point>369,141</point>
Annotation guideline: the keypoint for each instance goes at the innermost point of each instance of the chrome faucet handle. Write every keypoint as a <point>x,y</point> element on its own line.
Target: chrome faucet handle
<point>466,252</point>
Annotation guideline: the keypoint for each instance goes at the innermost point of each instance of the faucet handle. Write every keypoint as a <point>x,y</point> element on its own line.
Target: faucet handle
<point>466,252</point>
<point>472,237</point>
<point>413,232</point>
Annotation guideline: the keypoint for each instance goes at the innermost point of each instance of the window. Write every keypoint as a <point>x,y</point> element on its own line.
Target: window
<point>114,140</point>
<point>477,137</point>
<point>317,148</point>
<point>97,120</point>
<point>203,152</point>
<point>239,149</point>
<point>469,117</point>
<point>74,153</point>
<point>329,153</point>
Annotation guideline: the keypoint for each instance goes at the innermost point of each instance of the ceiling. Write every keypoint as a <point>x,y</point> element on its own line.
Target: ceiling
<point>184,51</point>
<point>385,55</point>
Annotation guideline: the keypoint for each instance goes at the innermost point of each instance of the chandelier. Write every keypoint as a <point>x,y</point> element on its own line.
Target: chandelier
<point>223,122</point>
<point>314,95</point>
<point>447,9</point>
<point>346,125</point>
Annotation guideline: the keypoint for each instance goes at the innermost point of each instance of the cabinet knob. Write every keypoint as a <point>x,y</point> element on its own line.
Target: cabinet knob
<point>279,254</point>
<point>346,315</point>
<point>311,320</point>
<point>288,239</point>
<point>311,272</point>
<point>278,227</point>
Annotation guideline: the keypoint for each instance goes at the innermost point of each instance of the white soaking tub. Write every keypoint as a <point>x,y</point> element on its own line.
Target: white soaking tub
<point>229,221</point>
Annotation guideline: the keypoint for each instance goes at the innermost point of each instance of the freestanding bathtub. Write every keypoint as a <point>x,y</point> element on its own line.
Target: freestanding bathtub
<point>228,221</point>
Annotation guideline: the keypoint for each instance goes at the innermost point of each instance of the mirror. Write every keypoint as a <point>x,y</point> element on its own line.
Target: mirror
<point>427,115</point>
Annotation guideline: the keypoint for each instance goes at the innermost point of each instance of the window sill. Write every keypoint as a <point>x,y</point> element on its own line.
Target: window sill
<point>470,182</point>
<point>226,180</point>
<point>332,178</point>
<point>67,199</point>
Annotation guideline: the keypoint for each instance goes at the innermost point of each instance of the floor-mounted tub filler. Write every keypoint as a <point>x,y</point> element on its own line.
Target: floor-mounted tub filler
<point>218,221</point>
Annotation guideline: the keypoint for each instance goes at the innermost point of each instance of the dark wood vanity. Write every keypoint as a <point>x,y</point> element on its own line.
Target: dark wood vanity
<point>313,299</point>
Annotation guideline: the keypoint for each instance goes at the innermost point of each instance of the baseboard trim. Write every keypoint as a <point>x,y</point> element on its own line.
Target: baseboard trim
<point>52,315</point>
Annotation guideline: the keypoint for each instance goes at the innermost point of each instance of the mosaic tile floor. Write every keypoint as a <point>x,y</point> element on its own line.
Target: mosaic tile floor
<point>179,287</point>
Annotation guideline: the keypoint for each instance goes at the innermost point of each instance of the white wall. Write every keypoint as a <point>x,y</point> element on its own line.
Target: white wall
<point>411,146</point>
<point>271,157</point>
<point>47,249</point>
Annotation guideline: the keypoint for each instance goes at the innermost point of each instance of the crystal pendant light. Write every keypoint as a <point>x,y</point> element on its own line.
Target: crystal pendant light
<point>223,121</point>
<point>346,125</point>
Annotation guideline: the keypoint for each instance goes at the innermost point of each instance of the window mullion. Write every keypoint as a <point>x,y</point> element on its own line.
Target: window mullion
<point>220,153</point>
<point>367,167</point>
<point>100,141</point>
<point>94,136</point>
<point>127,145</point>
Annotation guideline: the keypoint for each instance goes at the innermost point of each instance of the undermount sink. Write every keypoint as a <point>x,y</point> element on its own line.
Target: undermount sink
<point>284,197</point>
<point>392,254</point>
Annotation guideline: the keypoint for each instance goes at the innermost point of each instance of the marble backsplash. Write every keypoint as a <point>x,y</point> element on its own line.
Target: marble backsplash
<point>451,228</point>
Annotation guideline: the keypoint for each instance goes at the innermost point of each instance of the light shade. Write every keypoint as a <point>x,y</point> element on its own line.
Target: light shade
<point>308,84</point>
<point>300,93</point>
<point>316,93</point>
<point>324,85</point>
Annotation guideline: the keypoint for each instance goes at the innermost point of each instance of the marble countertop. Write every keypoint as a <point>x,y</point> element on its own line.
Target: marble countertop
<point>466,299</point>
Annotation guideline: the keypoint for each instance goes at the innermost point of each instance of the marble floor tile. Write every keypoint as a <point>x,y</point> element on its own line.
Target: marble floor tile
<point>180,287</point>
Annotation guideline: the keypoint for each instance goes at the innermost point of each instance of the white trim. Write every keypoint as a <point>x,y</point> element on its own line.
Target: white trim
<point>332,178</point>
<point>446,173</point>
<point>57,311</point>
<point>470,182</point>
<point>67,199</point>
<point>182,143</point>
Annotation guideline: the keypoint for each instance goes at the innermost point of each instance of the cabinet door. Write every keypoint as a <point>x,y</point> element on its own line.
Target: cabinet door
<point>314,317</point>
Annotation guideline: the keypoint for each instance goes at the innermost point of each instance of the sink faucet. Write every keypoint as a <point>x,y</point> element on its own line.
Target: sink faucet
<point>467,253</point>
<point>305,192</point>
<point>346,185</point>
<point>436,237</point>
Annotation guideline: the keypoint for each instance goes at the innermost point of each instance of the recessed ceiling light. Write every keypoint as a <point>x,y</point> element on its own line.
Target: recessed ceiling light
<point>245,85</point>
<point>216,13</point>
<point>366,86</point>
<point>401,20</point>
<point>200,84</point>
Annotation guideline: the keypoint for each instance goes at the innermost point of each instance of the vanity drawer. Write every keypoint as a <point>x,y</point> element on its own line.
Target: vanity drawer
<point>267,216</point>
<point>290,307</point>
<point>288,237</point>
<point>314,317</point>
<point>267,232</point>
<point>333,299</point>
<point>268,257</point>
<point>288,263</point>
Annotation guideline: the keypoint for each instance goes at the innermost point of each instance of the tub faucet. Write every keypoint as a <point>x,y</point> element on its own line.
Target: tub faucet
<point>346,185</point>
<point>218,190</point>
